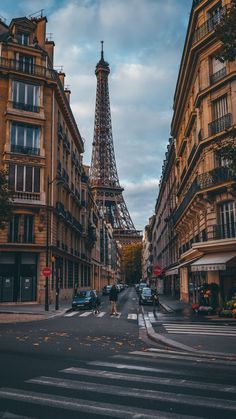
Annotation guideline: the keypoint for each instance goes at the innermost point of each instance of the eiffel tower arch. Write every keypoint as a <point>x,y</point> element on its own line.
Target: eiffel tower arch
<point>104,180</point>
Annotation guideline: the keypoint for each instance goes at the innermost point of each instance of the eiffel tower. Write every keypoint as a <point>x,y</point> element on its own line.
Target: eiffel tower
<point>104,180</point>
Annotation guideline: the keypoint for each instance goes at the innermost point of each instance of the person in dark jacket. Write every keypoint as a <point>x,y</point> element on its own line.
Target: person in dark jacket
<point>113,296</point>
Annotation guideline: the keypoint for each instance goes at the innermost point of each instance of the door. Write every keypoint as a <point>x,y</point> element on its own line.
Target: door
<point>27,288</point>
<point>6,288</point>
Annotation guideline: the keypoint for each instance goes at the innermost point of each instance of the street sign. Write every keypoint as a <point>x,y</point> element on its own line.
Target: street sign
<point>157,270</point>
<point>46,271</point>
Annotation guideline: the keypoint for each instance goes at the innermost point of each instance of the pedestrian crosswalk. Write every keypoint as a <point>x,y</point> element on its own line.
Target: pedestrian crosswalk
<point>200,329</point>
<point>130,316</point>
<point>162,384</point>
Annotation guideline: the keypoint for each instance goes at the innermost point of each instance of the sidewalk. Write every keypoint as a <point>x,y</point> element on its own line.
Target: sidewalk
<point>180,328</point>
<point>16,312</point>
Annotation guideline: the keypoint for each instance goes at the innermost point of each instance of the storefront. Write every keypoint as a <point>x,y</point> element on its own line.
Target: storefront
<point>18,277</point>
<point>218,268</point>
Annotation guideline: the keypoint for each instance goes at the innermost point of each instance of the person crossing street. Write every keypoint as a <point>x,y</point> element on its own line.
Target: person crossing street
<point>113,296</point>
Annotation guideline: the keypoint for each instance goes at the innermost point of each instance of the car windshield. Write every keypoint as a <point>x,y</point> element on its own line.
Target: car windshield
<point>147,291</point>
<point>83,294</point>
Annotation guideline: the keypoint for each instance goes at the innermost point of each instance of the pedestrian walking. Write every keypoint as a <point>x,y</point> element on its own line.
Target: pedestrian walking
<point>155,300</point>
<point>113,296</point>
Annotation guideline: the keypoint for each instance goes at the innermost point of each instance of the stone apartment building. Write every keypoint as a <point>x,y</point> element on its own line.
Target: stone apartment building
<point>194,235</point>
<point>41,148</point>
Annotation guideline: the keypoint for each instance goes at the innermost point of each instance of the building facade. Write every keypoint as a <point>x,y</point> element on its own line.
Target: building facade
<point>41,148</point>
<point>203,223</point>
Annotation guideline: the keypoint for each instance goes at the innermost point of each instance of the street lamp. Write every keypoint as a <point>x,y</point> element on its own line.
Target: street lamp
<point>49,183</point>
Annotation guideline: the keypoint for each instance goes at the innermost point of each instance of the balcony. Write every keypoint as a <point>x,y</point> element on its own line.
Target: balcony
<point>220,124</point>
<point>28,68</point>
<point>26,107</point>
<point>27,196</point>
<point>21,239</point>
<point>15,148</point>
<point>213,232</point>
<point>208,26</point>
<point>206,180</point>
<point>218,75</point>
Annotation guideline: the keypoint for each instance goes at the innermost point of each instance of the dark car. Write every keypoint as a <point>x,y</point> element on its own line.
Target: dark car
<point>140,287</point>
<point>146,296</point>
<point>106,289</point>
<point>85,299</point>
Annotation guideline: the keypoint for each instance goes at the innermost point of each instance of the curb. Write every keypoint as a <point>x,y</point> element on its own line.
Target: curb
<point>156,337</point>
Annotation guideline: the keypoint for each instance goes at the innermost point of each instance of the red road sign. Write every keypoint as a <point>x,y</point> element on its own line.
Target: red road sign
<point>157,270</point>
<point>46,271</point>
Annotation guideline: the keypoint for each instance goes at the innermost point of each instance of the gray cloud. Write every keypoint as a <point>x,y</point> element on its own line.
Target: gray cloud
<point>143,44</point>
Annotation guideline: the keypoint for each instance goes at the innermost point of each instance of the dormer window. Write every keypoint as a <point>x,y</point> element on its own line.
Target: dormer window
<point>23,38</point>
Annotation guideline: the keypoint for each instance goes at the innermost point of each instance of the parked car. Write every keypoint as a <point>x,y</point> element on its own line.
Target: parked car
<point>140,287</point>
<point>146,296</point>
<point>106,289</point>
<point>85,299</point>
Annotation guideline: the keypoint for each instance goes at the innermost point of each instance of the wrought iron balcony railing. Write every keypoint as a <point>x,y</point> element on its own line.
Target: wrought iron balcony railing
<point>26,107</point>
<point>220,124</point>
<point>15,148</point>
<point>21,238</point>
<point>208,26</point>
<point>218,75</point>
<point>213,232</point>
<point>205,180</point>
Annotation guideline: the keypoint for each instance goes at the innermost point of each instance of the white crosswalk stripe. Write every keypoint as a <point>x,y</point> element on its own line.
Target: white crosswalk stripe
<point>200,329</point>
<point>184,388</point>
<point>130,316</point>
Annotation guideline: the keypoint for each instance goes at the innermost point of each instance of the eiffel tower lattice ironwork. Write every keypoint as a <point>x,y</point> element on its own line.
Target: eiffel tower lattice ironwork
<point>104,179</point>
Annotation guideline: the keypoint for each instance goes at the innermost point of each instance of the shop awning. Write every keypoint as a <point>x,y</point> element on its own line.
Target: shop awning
<point>175,269</point>
<point>214,262</point>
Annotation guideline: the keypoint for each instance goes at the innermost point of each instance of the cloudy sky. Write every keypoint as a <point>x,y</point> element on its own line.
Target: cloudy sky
<point>143,43</point>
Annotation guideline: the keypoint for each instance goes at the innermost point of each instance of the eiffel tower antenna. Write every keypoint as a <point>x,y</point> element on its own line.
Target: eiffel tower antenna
<point>103,172</point>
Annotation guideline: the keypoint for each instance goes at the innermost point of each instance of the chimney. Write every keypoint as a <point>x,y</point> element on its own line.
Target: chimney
<point>61,77</point>
<point>67,93</point>
<point>40,31</point>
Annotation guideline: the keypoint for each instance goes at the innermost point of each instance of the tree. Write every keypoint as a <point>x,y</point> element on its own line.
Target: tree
<point>226,33</point>
<point>227,151</point>
<point>131,262</point>
<point>5,199</point>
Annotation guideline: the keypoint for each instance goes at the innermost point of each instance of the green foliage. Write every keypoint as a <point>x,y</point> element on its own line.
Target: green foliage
<point>5,199</point>
<point>228,152</point>
<point>226,33</point>
<point>131,262</point>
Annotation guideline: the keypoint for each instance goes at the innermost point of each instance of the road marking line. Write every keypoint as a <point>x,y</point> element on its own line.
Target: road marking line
<point>132,316</point>
<point>136,367</point>
<point>149,379</point>
<point>101,314</point>
<point>73,313</point>
<point>86,314</point>
<point>192,332</point>
<point>80,405</point>
<point>133,392</point>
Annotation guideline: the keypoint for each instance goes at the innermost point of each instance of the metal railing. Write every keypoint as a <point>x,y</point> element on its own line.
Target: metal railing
<point>203,181</point>
<point>218,75</point>
<point>15,148</point>
<point>21,238</point>
<point>220,124</point>
<point>26,107</point>
<point>208,26</point>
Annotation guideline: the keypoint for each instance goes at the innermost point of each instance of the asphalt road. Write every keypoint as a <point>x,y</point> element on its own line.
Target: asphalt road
<point>87,366</point>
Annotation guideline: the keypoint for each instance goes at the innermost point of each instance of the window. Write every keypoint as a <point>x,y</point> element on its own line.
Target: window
<point>26,96</point>
<point>14,229</point>
<point>215,14</point>
<point>24,178</point>
<point>28,228</point>
<point>25,63</point>
<point>21,229</point>
<point>25,138</point>
<point>218,70</point>
<point>23,38</point>
<point>220,107</point>
<point>221,118</point>
<point>227,218</point>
